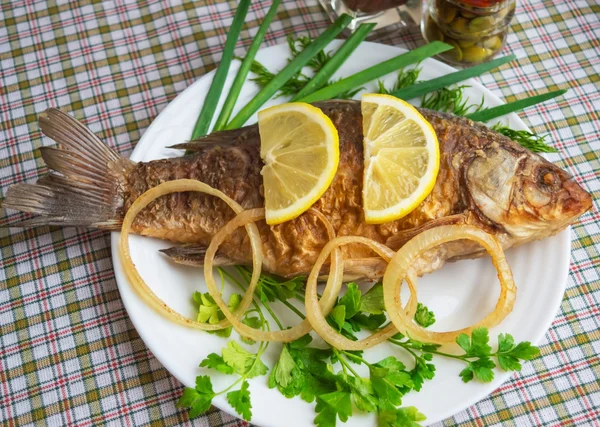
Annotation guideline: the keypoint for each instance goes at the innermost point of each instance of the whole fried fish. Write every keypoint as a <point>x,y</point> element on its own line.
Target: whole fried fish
<point>485,179</point>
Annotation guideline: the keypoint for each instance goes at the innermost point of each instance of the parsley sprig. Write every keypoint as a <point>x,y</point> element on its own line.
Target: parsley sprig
<point>233,360</point>
<point>310,372</point>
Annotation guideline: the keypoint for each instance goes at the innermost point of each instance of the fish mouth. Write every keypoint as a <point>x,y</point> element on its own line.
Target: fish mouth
<point>578,200</point>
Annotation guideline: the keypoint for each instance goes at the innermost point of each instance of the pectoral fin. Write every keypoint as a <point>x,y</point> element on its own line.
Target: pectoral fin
<point>193,255</point>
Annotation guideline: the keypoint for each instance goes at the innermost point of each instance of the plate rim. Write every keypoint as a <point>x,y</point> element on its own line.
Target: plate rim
<point>492,100</point>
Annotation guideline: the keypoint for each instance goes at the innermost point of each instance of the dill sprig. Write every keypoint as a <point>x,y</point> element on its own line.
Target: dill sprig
<point>264,76</point>
<point>531,141</point>
<point>450,101</point>
<point>405,78</point>
<point>298,44</point>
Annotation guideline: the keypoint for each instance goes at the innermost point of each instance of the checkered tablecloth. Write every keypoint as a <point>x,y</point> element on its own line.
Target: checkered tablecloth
<point>69,354</point>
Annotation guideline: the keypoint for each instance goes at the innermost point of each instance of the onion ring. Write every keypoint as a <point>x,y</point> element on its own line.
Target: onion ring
<point>330,293</point>
<point>315,315</point>
<point>400,265</point>
<point>138,283</point>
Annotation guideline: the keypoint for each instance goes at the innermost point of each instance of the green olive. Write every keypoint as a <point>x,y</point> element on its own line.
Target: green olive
<point>466,43</point>
<point>475,54</point>
<point>446,14</point>
<point>432,31</point>
<point>456,53</point>
<point>481,23</point>
<point>493,43</point>
<point>459,25</point>
<point>467,14</point>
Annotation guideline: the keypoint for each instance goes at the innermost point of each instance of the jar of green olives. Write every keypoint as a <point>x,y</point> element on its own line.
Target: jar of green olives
<point>476,28</point>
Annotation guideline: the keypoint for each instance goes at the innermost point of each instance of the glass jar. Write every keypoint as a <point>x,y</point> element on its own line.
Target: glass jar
<point>476,28</point>
<point>384,13</point>
<point>372,6</point>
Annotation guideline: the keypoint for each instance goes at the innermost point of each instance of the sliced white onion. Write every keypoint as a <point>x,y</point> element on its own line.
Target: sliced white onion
<point>400,266</point>
<point>138,283</point>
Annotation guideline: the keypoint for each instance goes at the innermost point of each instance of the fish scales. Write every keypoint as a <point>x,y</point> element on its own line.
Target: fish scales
<point>485,179</point>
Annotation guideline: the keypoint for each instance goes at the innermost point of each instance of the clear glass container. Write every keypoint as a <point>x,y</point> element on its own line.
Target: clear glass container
<point>384,13</point>
<point>476,28</point>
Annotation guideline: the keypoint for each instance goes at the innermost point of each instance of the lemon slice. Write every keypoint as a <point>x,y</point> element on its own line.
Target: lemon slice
<point>402,158</point>
<point>300,148</point>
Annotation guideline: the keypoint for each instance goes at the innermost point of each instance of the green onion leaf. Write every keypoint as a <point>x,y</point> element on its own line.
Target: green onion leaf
<point>427,86</point>
<point>290,70</point>
<point>488,114</point>
<point>240,78</point>
<point>377,71</point>
<point>336,61</point>
<point>216,87</point>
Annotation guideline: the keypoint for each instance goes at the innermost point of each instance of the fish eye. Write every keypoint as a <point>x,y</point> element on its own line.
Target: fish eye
<point>548,178</point>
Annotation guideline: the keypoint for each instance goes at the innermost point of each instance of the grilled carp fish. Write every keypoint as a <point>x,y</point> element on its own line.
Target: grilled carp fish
<point>485,179</point>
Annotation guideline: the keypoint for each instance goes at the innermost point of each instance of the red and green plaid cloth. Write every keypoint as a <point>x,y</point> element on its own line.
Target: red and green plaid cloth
<point>69,354</point>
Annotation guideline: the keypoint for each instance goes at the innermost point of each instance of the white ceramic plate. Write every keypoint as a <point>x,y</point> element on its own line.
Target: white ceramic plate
<point>460,293</point>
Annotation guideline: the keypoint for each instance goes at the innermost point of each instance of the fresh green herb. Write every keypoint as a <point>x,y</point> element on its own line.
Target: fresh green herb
<point>427,86</point>
<point>424,316</point>
<point>240,401</point>
<point>263,77</point>
<point>531,141</point>
<point>488,114</point>
<point>405,78</point>
<point>216,87</point>
<point>377,71</point>
<point>209,311</point>
<point>234,360</point>
<point>289,71</point>
<point>270,288</point>
<point>308,372</point>
<point>478,355</point>
<point>199,398</point>
<point>372,301</point>
<point>333,63</point>
<point>245,66</point>
<point>450,100</point>
<point>297,46</point>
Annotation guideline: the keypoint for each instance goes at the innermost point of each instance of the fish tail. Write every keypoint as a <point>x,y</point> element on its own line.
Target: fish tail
<point>85,182</point>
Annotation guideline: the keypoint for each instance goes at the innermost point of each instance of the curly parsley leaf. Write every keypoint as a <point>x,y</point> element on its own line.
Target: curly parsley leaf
<point>331,406</point>
<point>209,311</point>
<point>242,361</point>
<point>423,316</point>
<point>362,393</point>
<point>351,300</point>
<point>422,371</point>
<point>255,323</point>
<point>476,345</point>
<point>396,373</point>
<point>509,353</point>
<point>372,301</point>
<point>199,398</point>
<point>240,401</point>
<point>338,316</point>
<point>370,322</point>
<point>385,390</point>
<point>286,375</point>
<point>480,369</point>
<point>214,361</point>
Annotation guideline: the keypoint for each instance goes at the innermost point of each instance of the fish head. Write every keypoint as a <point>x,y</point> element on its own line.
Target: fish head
<point>523,193</point>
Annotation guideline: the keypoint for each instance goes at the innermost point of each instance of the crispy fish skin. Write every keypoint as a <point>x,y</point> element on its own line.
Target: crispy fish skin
<point>485,179</point>
<point>234,168</point>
